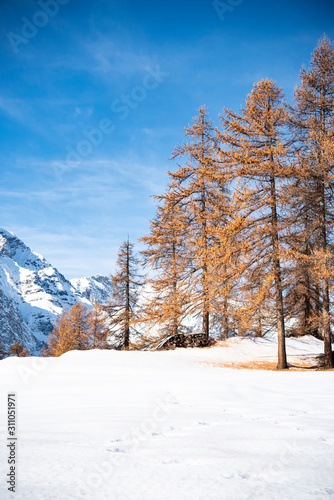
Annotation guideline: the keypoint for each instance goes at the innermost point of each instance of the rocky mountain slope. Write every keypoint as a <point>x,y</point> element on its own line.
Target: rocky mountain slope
<point>94,288</point>
<point>33,293</point>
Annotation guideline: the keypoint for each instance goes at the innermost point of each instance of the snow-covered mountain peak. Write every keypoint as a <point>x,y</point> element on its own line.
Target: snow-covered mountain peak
<point>13,247</point>
<point>95,288</point>
<point>32,293</point>
<point>5,246</point>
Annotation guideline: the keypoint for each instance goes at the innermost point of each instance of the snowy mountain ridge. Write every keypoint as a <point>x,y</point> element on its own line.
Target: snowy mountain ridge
<point>95,288</point>
<point>33,293</point>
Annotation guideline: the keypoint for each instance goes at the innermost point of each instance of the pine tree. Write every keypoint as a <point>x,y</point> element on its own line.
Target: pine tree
<point>258,156</point>
<point>122,309</point>
<point>314,125</point>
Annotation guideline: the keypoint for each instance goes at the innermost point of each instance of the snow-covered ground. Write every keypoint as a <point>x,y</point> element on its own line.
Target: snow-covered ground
<point>107,425</point>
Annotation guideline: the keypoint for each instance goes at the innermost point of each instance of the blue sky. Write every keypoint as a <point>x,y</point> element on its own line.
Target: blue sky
<point>95,96</point>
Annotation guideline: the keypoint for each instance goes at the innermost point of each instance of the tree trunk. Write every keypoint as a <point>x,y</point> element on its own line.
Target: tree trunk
<point>259,332</point>
<point>307,304</point>
<point>174,284</point>
<point>325,287</point>
<point>206,328</point>
<point>282,361</point>
<point>307,283</point>
<point>225,318</point>
<point>327,327</point>
<point>206,303</point>
<point>127,303</point>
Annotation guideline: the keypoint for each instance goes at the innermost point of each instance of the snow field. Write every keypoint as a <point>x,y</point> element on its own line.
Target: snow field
<point>170,425</point>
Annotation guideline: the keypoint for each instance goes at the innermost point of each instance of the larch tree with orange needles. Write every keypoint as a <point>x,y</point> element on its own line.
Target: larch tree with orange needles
<point>200,189</point>
<point>122,313</point>
<point>71,331</point>
<point>258,153</point>
<point>313,120</point>
<point>167,300</point>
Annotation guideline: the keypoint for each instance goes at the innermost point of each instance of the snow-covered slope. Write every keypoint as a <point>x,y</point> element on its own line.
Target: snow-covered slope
<point>32,293</point>
<point>94,288</point>
<point>101,425</point>
<point>12,325</point>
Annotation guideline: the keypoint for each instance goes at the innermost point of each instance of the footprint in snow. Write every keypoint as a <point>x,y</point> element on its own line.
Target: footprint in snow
<point>231,476</point>
<point>116,450</point>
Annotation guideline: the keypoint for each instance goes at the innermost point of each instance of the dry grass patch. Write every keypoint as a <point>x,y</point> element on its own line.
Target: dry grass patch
<point>300,363</point>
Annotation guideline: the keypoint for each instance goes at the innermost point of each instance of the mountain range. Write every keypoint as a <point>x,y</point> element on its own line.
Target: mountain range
<point>33,293</point>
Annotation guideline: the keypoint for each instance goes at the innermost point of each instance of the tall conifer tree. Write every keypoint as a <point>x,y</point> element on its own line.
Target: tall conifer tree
<point>314,125</point>
<point>199,188</point>
<point>167,300</point>
<point>122,308</point>
<point>258,156</point>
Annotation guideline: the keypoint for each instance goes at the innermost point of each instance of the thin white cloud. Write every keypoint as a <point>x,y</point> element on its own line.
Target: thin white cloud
<point>14,108</point>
